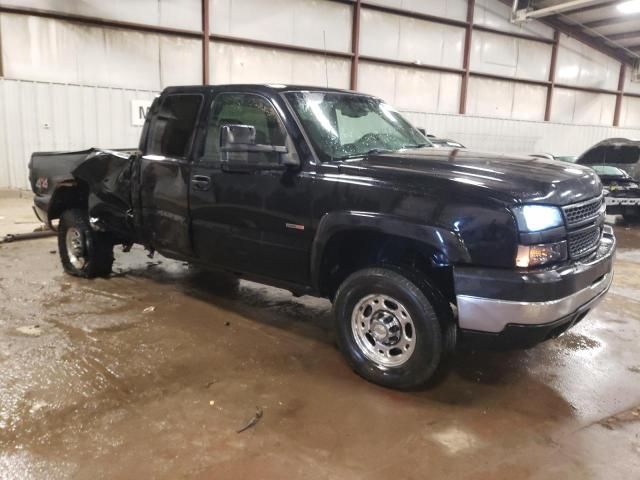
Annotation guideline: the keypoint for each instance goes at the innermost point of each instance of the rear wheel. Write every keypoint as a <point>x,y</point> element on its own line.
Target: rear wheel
<point>83,251</point>
<point>388,329</point>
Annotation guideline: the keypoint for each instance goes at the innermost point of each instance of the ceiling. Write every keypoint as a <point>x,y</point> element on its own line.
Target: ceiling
<point>599,22</point>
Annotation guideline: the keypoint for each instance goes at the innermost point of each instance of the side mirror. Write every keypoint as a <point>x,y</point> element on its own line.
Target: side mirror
<point>240,152</point>
<point>423,131</point>
<point>242,138</point>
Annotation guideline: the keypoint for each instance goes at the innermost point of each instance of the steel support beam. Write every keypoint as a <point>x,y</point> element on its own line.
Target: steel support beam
<point>552,76</point>
<point>205,42</point>
<point>522,15</point>
<point>355,44</point>
<point>618,109</point>
<point>101,22</point>
<point>605,22</point>
<point>464,85</point>
<point>280,46</point>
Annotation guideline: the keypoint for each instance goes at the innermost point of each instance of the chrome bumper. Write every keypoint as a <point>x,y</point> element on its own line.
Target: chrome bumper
<point>492,315</point>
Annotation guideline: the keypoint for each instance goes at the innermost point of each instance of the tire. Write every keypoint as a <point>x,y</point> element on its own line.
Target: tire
<point>83,251</point>
<point>392,328</point>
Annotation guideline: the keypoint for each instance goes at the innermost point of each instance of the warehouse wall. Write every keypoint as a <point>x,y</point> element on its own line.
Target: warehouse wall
<point>68,84</point>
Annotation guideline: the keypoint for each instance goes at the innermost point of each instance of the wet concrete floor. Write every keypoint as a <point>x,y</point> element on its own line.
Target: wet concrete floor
<point>149,374</point>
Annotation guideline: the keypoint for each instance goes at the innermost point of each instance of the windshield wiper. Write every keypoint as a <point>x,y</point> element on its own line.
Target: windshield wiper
<point>417,145</point>
<point>373,151</point>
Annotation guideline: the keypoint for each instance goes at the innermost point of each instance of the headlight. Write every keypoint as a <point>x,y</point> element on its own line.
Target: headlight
<point>536,255</point>
<point>535,218</point>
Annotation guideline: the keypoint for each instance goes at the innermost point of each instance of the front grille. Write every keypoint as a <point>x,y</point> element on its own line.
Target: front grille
<point>583,212</point>
<point>583,242</point>
<point>584,221</point>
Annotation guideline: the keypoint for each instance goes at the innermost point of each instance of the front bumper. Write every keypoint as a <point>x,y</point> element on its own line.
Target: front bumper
<point>520,309</point>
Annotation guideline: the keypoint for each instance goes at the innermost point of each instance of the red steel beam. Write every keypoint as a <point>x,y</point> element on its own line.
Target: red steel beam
<point>280,46</point>
<point>552,75</point>
<point>418,15</point>
<point>524,36</point>
<point>102,22</point>
<point>355,44</point>
<point>623,36</point>
<point>402,63</point>
<point>605,22</point>
<point>616,112</point>
<point>464,85</point>
<point>582,37</point>
<point>205,42</point>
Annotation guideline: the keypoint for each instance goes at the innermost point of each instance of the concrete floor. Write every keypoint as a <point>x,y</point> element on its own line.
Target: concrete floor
<point>95,384</point>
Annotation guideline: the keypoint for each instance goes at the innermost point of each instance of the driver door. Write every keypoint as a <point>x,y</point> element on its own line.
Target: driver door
<point>252,221</point>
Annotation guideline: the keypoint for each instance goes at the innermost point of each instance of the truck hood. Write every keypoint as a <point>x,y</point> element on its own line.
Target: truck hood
<point>510,179</point>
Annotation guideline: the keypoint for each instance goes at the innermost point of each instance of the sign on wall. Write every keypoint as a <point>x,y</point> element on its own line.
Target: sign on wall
<point>139,110</point>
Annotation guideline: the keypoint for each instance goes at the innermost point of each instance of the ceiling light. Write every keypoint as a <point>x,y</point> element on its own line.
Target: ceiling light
<point>632,6</point>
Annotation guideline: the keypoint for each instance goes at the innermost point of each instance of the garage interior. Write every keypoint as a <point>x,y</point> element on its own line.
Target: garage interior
<point>152,372</point>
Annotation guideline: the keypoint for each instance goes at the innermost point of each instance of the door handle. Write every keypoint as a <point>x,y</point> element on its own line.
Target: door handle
<point>201,182</point>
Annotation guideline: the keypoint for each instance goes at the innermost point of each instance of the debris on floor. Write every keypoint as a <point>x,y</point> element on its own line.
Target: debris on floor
<point>253,422</point>
<point>30,330</point>
<point>149,309</point>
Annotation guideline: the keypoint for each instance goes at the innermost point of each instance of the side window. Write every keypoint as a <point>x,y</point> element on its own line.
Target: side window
<point>243,109</point>
<point>172,127</point>
<point>595,156</point>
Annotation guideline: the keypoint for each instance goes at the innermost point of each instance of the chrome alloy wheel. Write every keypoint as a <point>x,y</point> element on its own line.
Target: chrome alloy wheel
<point>383,330</point>
<point>76,248</point>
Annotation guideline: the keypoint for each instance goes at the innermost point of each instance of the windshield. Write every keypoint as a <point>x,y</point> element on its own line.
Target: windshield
<point>343,125</point>
<point>608,170</point>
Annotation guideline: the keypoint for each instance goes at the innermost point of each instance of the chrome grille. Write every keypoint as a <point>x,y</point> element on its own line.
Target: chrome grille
<point>583,212</point>
<point>583,242</point>
<point>584,220</point>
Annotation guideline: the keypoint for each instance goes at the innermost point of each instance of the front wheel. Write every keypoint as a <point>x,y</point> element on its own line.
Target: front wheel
<point>83,251</point>
<point>388,329</point>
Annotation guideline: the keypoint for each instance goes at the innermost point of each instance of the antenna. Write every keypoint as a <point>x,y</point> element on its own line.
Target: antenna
<point>326,67</point>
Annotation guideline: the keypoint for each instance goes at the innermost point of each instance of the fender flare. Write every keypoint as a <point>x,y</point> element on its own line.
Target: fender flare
<point>438,238</point>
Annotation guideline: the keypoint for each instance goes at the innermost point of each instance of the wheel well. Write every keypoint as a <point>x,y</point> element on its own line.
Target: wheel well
<point>68,196</point>
<point>349,251</point>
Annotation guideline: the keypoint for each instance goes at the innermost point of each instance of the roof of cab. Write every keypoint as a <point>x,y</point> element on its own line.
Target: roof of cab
<point>260,87</point>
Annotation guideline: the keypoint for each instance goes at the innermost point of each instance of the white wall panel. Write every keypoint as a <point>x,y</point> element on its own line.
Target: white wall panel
<point>510,56</point>
<point>630,112</point>
<point>400,38</point>
<point>294,22</point>
<point>583,66</point>
<point>180,61</point>
<point>629,86</point>
<point>36,116</point>
<point>411,88</point>
<point>516,136</point>
<point>231,63</point>
<point>495,14</point>
<point>498,98</point>
<point>41,49</point>
<point>185,14</point>
<point>573,106</point>
<point>455,9</point>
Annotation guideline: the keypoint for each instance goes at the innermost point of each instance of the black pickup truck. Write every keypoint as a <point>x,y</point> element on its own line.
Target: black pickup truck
<point>332,193</point>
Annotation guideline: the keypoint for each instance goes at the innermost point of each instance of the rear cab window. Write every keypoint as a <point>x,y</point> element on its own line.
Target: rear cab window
<point>172,128</point>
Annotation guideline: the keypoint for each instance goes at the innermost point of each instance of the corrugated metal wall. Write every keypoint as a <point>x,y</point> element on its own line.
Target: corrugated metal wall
<point>517,136</point>
<point>37,116</point>
<point>97,71</point>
